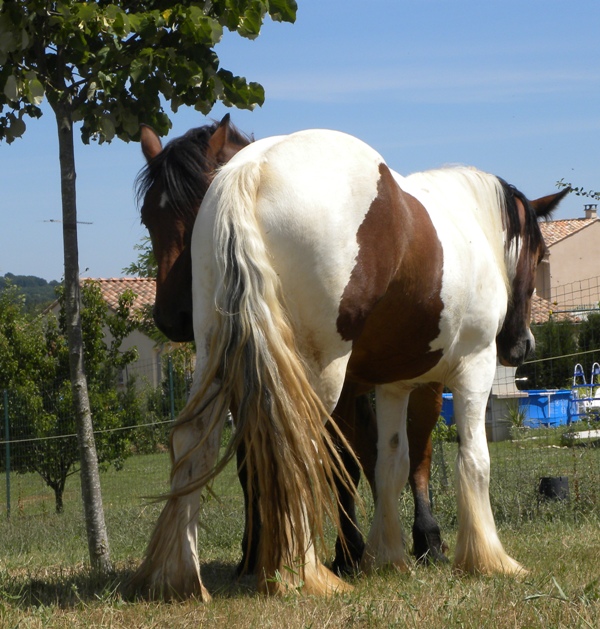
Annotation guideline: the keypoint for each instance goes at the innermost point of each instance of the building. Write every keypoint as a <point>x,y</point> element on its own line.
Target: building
<point>150,352</point>
<point>568,276</point>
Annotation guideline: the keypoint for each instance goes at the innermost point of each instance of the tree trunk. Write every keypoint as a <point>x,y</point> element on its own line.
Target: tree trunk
<point>58,498</point>
<point>90,477</point>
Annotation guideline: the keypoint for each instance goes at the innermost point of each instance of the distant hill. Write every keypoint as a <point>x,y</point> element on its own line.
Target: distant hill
<point>38,292</point>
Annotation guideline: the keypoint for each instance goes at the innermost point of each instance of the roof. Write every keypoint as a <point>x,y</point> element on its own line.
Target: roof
<point>145,290</point>
<point>112,288</point>
<point>555,231</point>
<point>542,310</point>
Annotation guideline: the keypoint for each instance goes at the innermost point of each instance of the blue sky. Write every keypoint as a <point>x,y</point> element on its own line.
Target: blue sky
<point>512,87</point>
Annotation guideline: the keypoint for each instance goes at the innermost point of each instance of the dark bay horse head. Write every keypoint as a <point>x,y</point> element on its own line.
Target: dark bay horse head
<point>171,188</point>
<point>525,245</point>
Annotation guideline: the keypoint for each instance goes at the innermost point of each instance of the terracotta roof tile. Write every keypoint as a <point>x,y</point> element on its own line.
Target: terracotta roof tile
<point>542,310</point>
<point>112,288</point>
<point>554,231</point>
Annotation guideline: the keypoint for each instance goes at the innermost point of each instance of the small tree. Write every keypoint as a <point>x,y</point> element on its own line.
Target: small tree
<point>106,65</point>
<point>35,353</point>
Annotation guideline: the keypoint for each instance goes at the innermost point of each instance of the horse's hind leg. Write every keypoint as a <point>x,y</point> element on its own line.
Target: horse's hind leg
<point>424,407</point>
<point>252,523</point>
<point>385,544</point>
<point>170,568</point>
<point>356,420</point>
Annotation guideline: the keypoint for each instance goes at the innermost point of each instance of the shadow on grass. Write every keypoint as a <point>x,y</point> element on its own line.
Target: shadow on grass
<point>73,587</point>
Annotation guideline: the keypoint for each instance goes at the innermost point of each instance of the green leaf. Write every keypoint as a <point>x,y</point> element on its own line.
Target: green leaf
<point>283,10</point>
<point>91,90</point>
<point>107,127</point>
<point>36,91</point>
<point>87,11</point>
<point>24,40</point>
<point>130,123</point>
<point>561,595</point>
<point>11,88</point>
<point>17,128</point>
<point>137,69</point>
<point>7,34</point>
<point>252,20</point>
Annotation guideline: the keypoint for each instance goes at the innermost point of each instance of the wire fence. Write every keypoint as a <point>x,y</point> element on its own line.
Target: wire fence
<point>543,442</point>
<point>40,472</point>
<point>39,455</point>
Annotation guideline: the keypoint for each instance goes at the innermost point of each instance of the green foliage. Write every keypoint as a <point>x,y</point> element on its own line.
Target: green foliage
<point>113,65</point>
<point>579,190</point>
<point>22,347</point>
<point>145,265</point>
<point>556,340</point>
<point>589,340</point>
<point>35,358</point>
<point>442,432</point>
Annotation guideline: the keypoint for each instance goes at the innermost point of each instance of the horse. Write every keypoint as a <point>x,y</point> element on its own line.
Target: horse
<point>206,148</point>
<point>314,263</point>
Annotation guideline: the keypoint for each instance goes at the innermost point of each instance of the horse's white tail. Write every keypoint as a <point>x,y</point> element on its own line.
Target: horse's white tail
<point>261,375</point>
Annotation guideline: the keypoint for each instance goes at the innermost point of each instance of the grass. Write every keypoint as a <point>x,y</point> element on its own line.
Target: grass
<point>561,590</point>
<point>44,581</point>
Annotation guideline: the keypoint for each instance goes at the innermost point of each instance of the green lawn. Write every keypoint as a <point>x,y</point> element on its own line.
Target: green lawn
<point>44,581</point>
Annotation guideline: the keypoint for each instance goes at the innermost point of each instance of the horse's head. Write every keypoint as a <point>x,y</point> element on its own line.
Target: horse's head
<point>526,247</point>
<point>171,188</point>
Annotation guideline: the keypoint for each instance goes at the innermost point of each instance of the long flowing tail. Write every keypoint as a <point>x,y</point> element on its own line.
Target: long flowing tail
<point>261,375</point>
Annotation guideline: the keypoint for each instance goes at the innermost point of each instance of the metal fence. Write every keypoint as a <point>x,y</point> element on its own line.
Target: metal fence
<point>38,443</point>
<point>521,458</point>
<point>528,443</point>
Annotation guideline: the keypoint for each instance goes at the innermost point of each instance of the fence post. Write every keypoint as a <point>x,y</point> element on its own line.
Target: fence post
<point>171,391</point>
<point>7,445</point>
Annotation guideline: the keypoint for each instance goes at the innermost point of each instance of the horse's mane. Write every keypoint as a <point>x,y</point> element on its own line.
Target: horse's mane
<point>477,192</point>
<point>496,204</point>
<point>184,169</point>
<point>513,222</point>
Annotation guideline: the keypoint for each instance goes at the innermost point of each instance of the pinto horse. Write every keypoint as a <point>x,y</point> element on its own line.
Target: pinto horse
<point>313,263</point>
<point>194,158</point>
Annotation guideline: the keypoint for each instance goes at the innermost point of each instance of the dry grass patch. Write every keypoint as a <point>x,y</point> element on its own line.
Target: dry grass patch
<point>562,589</point>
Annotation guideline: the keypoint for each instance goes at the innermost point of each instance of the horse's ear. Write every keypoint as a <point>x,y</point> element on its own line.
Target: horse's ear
<point>544,206</point>
<point>151,144</point>
<point>218,140</point>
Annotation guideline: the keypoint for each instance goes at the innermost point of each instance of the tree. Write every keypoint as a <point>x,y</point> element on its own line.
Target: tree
<point>145,265</point>
<point>552,365</point>
<point>37,291</point>
<point>35,358</point>
<point>579,190</point>
<point>106,65</point>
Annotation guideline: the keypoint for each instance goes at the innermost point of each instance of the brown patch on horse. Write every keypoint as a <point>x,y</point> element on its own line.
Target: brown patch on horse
<point>391,306</point>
